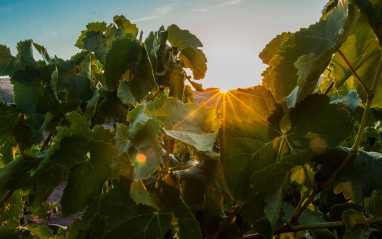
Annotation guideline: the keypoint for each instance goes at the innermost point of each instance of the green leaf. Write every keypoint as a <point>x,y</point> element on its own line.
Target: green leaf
<point>86,178</point>
<point>171,200</point>
<point>10,64</point>
<point>126,26</point>
<point>145,152</point>
<point>355,223</point>
<point>196,86</point>
<point>93,26</point>
<point>71,151</point>
<point>273,47</point>
<point>296,69</point>
<point>39,231</point>
<point>128,59</point>
<point>198,180</point>
<point>182,38</point>
<point>176,77</point>
<point>183,121</point>
<point>358,178</point>
<point>372,10</point>
<point>28,131</point>
<point>6,153</point>
<point>17,174</point>
<point>44,52</point>
<point>351,100</point>
<point>273,206</point>
<point>7,233</point>
<point>362,51</point>
<point>79,125</point>
<point>33,90</point>
<point>194,61</point>
<point>8,120</point>
<point>119,215</point>
<point>374,204</point>
<point>256,134</point>
<point>11,209</point>
<point>110,105</point>
<point>95,42</point>
<point>140,195</point>
<point>73,78</point>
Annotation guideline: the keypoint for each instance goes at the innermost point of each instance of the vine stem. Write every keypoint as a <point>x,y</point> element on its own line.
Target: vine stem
<point>291,228</point>
<point>354,148</point>
<point>227,220</point>
<point>368,92</point>
<point>6,197</point>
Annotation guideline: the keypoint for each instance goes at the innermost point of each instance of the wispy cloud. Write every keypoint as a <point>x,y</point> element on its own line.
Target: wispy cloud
<point>221,5</point>
<point>159,12</point>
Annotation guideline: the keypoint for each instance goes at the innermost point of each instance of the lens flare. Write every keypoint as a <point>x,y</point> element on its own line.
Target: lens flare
<point>141,158</point>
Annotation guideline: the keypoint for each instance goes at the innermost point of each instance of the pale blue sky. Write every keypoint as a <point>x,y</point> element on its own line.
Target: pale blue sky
<point>233,32</point>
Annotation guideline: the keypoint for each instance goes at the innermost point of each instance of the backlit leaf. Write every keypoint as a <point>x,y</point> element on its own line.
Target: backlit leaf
<point>10,64</point>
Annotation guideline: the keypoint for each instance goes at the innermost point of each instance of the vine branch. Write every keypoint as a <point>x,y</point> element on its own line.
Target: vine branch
<point>227,220</point>
<point>354,73</point>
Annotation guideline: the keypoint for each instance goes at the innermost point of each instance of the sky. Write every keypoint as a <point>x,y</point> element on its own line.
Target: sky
<point>233,32</point>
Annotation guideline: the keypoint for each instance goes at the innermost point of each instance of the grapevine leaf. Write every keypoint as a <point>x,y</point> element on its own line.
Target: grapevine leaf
<point>194,61</point>
<point>46,177</point>
<point>86,179</point>
<point>44,52</point>
<point>358,178</point>
<point>362,51</point>
<point>71,152</point>
<point>79,125</point>
<point>140,195</point>
<point>93,26</point>
<point>198,180</point>
<point>10,211</point>
<point>351,100</point>
<point>182,121</point>
<point>33,90</point>
<point>73,78</point>
<point>253,212</point>
<point>110,105</point>
<point>122,165</point>
<point>355,223</point>
<point>95,42</point>
<point>202,142</point>
<point>171,200</point>
<point>176,77</point>
<point>295,70</point>
<point>255,134</point>
<point>39,231</point>
<point>8,120</point>
<point>10,64</point>
<point>182,38</point>
<point>119,215</point>
<point>16,174</point>
<point>145,156</point>
<point>128,59</point>
<point>6,153</point>
<point>152,45</point>
<point>273,47</point>
<point>7,233</point>
<point>273,206</point>
<point>28,131</point>
<point>126,26</point>
<point>374,204</point>
<point>197,86</point>
<point>372,10</point>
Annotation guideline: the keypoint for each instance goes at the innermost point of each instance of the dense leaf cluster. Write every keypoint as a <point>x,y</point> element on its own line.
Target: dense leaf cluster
<point>299,156</point>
